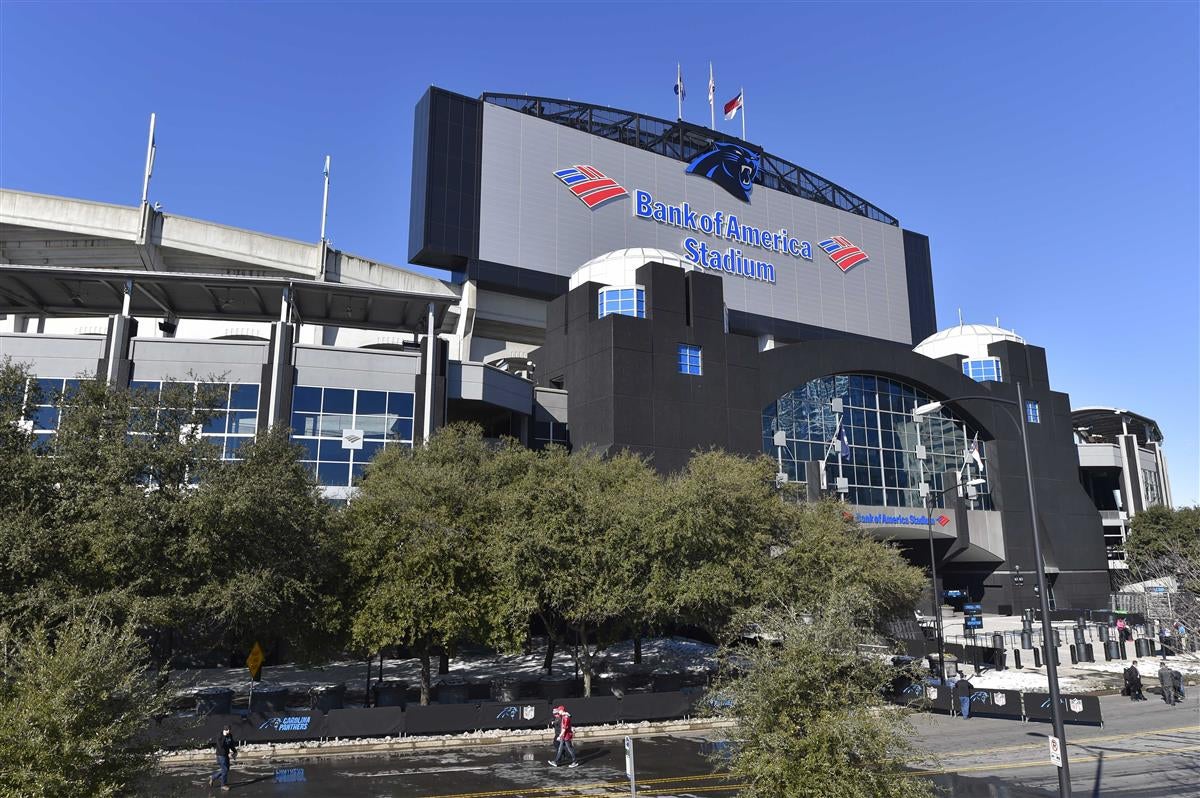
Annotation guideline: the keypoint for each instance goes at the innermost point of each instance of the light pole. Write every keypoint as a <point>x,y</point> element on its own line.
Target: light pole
<point>937,606</point>
<point>1064,773</point>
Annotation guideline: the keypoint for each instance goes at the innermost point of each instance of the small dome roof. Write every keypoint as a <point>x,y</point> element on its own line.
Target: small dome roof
<point>620,266</point>
<point>968,340</point>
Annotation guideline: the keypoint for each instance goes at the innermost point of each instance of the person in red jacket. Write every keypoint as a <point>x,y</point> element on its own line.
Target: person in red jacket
<point>563,735</point>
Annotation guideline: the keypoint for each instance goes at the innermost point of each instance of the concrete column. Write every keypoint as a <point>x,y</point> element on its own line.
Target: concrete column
<point>1164,480</point>
<point>430,365</point>
<point>1131,474</point>
<point>280,368</point>
<point>117,366</point>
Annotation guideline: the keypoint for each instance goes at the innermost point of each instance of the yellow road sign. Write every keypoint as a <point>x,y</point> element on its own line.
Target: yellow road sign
<point>255,660</point>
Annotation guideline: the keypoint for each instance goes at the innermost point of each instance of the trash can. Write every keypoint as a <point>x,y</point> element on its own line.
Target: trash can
<point>1111,650</point>
<point>506,689</point>
<point>268,698</point>
<point>1103,631</point>
<point>1079,641</point>
<point>1026,639</point>
<point>214,701</point>
<point>1141,647</point>
<point>389,693</point>
<point>452,690</point>
<point>325,697</point>
<point>555,685</point>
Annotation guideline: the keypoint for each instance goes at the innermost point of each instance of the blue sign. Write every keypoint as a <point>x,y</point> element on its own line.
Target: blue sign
<point>287,723</point>
<point>973,622</point>
<point>953,593</point>
<point>973,609</point>
<point>289,775</point>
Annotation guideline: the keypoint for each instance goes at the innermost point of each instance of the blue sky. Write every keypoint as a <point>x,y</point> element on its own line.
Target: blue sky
<point>1049,151</point>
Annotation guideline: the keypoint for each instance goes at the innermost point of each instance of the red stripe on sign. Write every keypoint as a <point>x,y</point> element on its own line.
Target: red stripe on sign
<point>856,257</point>
<point>592,185</point>
<point>844,242</point>
<point>594,199</point>
<point>591,172</point>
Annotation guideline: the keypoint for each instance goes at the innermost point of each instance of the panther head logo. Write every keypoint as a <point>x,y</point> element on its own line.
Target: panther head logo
<point>730,166</point>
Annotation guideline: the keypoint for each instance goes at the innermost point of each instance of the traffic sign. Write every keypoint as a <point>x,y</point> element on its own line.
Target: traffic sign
<point>1055,751</point>
<point>973,609</point>
<point>973,622</point>
<point>255,660</point>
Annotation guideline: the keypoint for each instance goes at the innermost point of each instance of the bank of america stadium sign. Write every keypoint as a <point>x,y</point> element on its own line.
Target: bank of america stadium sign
<point>594,189</point>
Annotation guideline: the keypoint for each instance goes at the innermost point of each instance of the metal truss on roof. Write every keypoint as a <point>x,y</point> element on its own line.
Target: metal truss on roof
<point>683,141</point>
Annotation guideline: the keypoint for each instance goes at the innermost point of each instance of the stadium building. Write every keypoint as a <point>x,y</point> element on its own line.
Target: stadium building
<point>616,281</point>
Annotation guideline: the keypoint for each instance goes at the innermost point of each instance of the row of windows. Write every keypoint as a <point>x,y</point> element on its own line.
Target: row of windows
<point>983,369</point>
<point>321,417</point>
<point>551,432</point>
<point>890,453</point>
<point>623,302</point>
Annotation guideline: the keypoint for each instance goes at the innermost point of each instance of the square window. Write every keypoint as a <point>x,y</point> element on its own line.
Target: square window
<point>333,451</point>
<point>338,400</point>
<point>305,423</point>
<point>243,423</point>
<point>245,397</point>
<point>401,430</point>
<point>371,403</point>
<point>310,449</point>
<point>45,418</point>
<point>334,473</point>
<point>215,425</point>
<point>400,404</point>
<point>306,399</point>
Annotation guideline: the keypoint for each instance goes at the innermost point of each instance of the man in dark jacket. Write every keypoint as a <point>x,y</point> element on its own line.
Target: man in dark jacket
<point>962,691</point>
<point>1167,682</point>
<point>226,750</point>
<point>1133,683</point>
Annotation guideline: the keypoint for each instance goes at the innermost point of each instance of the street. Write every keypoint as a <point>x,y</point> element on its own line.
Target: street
<point>1145,750</point>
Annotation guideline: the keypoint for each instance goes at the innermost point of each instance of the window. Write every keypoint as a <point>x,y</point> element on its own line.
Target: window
<point>628,301</point>
<point>1032,412</point>
<point>983,370</point>
<point>1153,488</point>
<point>550,432</point>
<point>890,454</point>
<point>234,409</point>
<point>689,359</point>
<point>320,415</point>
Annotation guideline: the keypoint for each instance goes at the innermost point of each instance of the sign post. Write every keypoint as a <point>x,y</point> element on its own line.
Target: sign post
<point>1055,751</point>
<point>629,771</point>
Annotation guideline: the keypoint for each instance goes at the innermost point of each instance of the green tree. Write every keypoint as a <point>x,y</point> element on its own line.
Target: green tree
<point>1159,531</point>
<point>415,540</point>
<point>811,720</point>
<point>75,701</point>
<point>571,544</point>
<point>259,560</point>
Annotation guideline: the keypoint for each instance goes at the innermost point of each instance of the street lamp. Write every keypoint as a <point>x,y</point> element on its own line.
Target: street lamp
<point>937,606</point>
<point>1064,773</point>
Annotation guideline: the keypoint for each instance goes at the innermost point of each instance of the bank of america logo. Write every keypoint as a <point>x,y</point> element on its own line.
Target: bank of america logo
<point>842,252</point>
<point>943,520</point>
<point>592,186</point>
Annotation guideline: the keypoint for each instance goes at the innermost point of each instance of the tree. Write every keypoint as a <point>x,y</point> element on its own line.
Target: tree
<point>415,543</point>
<point>1160,531</point>
<point>572,548</point>
<point>258,557</point>
<point>75,701</point>
<point>811,719</point>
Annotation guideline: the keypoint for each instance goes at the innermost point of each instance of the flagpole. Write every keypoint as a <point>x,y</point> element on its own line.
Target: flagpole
<point>742,91</point>
<point>712,108</point>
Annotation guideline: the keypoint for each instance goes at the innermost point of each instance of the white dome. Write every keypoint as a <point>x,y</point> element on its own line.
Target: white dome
<point>968,340</point>
<point>620,266</point>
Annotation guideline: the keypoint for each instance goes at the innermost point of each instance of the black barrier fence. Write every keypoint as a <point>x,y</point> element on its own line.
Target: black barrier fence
<point>1075,708</point>
<point>532,713</point>
<point>996,703</point>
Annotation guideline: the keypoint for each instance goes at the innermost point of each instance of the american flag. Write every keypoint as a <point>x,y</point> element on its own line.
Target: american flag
<point>591,185</point>
<point>842,252</point>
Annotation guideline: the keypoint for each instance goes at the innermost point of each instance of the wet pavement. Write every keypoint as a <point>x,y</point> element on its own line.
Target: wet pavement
<point>667,767</point>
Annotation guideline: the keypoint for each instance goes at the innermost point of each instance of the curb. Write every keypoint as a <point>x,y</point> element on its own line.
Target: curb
<point>320,750</point>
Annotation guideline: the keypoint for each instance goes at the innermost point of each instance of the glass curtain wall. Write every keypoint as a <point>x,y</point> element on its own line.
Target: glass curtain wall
<point>884,465</point>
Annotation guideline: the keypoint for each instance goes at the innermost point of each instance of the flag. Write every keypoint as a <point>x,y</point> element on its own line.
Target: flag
<point>679,83</point>
<point>973,452</point>
<point>731,107</point>
<point>712,87</point>
<point>843,445</point>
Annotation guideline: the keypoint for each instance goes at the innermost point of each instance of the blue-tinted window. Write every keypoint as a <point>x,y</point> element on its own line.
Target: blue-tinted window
<point>1032,412</point>
<point>400,404</point>
<point>306,399</point>
<point>333,450</point>
<point>305,423</point>
<point>689,359</point>
<point>338,400</point>
<point>214,425</point>
<point>243,397</point>
<point>371,402</point>
<point>333,473</point>
<point>622,302</point>
<point>144,385</point>
<point>983,370</point>
<point>384,418</point>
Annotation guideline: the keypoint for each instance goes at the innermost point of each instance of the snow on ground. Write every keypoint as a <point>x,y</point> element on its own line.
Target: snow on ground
<point>675,654</point>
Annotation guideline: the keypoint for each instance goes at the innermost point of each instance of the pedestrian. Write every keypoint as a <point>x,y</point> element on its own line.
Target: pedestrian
<point>1167,682</point>
<point>962,690</point>
<point>1177,684</point>
<point>1120,629</point>
<point>563,735</point>
<point>226,750</point>
<point>1133,683</point>
<point>1181,633</point>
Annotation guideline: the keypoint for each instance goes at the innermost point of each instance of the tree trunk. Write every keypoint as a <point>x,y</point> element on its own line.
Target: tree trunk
<point>585,662</point>
<point>425,680</point>
<point>637,649</point>
<point>548,664</point>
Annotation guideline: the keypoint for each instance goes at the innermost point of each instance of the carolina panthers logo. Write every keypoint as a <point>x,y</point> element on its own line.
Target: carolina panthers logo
<point>730,166</point>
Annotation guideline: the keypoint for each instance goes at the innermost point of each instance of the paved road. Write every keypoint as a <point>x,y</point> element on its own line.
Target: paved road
<point>1145,750</point>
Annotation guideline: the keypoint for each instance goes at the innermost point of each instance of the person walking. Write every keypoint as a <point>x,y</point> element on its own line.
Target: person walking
<point>1120,629</point>
<point>226,750</point>
<point>563,735</point>
<point>1167,682</point>
<point>1177,685</point>
<point>962,690</point>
